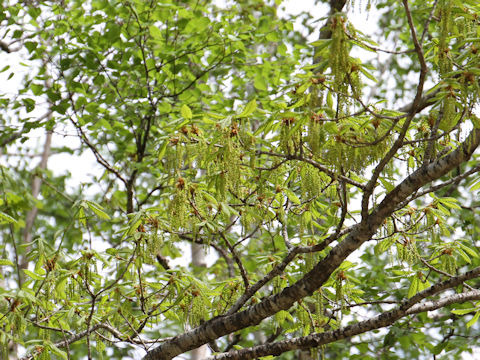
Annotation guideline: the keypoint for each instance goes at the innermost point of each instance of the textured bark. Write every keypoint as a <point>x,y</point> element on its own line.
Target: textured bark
<point>198,259</point>
<point>408,307</point>
<point>362,232</point>
<point>36,185</point>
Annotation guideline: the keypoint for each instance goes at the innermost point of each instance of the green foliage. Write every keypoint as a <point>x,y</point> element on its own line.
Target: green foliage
<point>210,125</point>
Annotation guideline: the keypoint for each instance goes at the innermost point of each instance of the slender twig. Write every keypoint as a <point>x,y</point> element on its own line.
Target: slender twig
<point>315,164</point>
<point>429,20</point>
<point>239,263</point>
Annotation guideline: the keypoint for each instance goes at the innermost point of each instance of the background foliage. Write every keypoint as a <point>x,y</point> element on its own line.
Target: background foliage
<point>222,124</point>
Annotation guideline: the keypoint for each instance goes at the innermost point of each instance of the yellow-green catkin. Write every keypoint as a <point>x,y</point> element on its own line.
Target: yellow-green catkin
<point>316,136</point>
<point>229,295</point>
<point>4,344</point>
<point>339,287</point>
<point>231,163</point>
<point>246,139</point>
<point>407,251</point>
<point>85,268</point>
<point>388,227</point>
<point>317,95</point>
<point>246,220</point>
<point>446,21</point>
<point>339,60</point>
<point>303,318</point>
<point>356,82</point>
<point>445,63</point>
<point>178,209</point>
<point>154,244</point>
<point>174,156</point>
<point>279,283</point>
<point>319,310</point>
<point>20,324</point>
<point>289,140</point>
<point>448,261</point>
<point>309,262</point>
<point>311,183</point>
<point>44,355</point>
<point>197,311</point>
<point>449,112</point>
<point>202,206</point>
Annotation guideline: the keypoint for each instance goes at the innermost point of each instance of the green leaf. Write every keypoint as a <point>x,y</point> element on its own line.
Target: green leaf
<point>302,88</point>
<point>475,121</point>
<point>469,250</point>
<point>186,112</point>
<point>29,104</point>
<point>5,218</point>
<point>162,151</point>
<point>260,83</point>
<point>464,256</point>
<point>113,32</point>
<point>210,198</point>
<point>198,24</point>
<point>249,109</point>
<point>450,202</point>
<point>439,348</point>
<point>384,245</point>
<point>37,89</point>
<point>386,184</point>
<point>97,209</point>
<point>82,219</point>
<point>474,319</point>
<point>475,186</point>
<point>60,287</point>
<point>292,197</point>
<point>6,262</point>
<point>155,32</point>
<point>463,311</point>
<point>32,275</point>
<point>55,350</point>
<point>414,285</point>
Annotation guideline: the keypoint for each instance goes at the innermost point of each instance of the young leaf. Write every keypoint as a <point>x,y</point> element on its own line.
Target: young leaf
<point>413,289</point>
<point>473,320</point>
<point>97,209</point>
<point>32,274</point>
<point>249,109</point>
<point>6,262</point>
<point>186,112</point>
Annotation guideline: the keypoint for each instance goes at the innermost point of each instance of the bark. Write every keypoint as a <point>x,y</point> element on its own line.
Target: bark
<point>408,307</point>
<point>36,185</point>
<point>198,259</point>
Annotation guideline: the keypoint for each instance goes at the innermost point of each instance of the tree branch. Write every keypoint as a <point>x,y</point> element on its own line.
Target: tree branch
<point>408,307</point>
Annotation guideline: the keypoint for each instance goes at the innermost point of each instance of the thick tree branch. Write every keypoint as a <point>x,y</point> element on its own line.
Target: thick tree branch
<point>408,307</point>
<point>7,47</point>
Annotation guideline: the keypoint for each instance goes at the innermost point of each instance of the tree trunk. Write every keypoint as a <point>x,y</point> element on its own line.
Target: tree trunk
<point>198,260</point>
